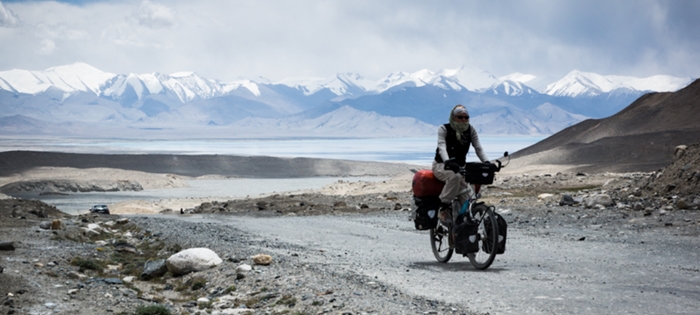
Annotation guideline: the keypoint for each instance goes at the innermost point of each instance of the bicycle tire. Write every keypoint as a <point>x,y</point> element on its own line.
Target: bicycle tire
<point>488,239</point>
<point>440,243</point>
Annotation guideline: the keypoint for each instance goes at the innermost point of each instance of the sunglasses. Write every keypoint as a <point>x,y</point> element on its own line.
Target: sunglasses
<point>462,117</point>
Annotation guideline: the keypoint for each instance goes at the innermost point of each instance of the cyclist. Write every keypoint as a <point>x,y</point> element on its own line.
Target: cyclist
<point>454,139</point>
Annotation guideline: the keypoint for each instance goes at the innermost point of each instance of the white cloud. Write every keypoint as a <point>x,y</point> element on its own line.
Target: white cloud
<point>7,17</point>
<point>230,39</point>
<point>154,15</point>
<point>59,32</point>
<point>46,47</point>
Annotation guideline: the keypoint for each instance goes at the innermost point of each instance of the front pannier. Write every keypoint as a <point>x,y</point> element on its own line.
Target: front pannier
<point>479,173</point>
<point>425,211</point>
<point>466,238</point>
<point>502,233</point>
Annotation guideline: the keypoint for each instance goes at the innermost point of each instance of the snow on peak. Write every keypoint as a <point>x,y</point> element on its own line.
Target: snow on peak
<point>68,78</point>
<point>472,78</point>
<point>578,83</point>
<point>518,77</point>
<point>340,84</point>
<point>182,74</point>
<point>248,84</point>
<point>511,88</point>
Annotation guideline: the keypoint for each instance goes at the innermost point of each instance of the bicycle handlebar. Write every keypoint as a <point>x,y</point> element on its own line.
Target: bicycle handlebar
<point>498,168</point>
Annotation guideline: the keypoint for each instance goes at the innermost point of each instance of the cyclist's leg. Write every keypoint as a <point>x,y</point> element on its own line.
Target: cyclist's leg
<point>453,182</point>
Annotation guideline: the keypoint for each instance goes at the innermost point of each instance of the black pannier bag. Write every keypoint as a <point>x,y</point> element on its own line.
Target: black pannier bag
<point>425,211</point>
<point>479,173</point>
<point>466,238</point>
<point>502,227</point>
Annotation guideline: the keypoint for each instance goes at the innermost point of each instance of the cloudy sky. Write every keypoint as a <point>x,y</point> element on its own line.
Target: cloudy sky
<point>276,39</point>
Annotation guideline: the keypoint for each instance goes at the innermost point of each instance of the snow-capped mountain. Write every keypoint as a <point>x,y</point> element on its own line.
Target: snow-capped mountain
<point>69,78</point>
<point>344,121</point>
<point>578,83</point>
<point>511,88</point>
<point>472,79</point>
<point>75,99</point>
<point>342,84</point>
<point>545,119</point>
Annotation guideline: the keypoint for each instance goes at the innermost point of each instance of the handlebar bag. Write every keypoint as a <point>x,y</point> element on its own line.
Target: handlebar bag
<point>466,237</point>
<point>425,184</point>
<point>425,210</point>
<point>479,173</point>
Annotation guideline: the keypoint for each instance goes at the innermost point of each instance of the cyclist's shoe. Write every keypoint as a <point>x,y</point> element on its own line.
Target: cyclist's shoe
<point>445,214</point>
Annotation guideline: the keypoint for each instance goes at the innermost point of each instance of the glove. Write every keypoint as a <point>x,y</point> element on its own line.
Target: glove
<point>452,165</point>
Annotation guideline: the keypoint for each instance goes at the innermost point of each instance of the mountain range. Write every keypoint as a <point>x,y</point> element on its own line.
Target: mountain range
<point>82,101</point>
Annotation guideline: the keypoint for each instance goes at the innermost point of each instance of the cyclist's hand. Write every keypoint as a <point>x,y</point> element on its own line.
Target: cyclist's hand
<point>452,165</point>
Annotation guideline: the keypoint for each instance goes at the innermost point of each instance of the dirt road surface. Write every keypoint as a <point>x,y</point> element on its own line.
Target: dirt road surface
<point>544,271</point>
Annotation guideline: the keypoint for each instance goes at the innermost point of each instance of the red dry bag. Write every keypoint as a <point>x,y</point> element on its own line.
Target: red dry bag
<point>425,184</point>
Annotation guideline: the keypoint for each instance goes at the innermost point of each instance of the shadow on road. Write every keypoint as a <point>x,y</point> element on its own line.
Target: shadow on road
<point>452,266</point>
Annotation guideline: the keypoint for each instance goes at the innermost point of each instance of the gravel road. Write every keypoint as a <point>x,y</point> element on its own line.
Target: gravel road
<point>565,269</point>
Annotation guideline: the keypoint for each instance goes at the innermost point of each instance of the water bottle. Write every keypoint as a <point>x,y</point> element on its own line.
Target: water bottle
<point>465,206</point>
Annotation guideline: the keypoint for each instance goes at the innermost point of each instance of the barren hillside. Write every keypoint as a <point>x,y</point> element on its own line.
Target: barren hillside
<point>642,137</point>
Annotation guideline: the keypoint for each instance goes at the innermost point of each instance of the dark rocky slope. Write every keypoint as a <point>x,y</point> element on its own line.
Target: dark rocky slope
<point>642,137</point>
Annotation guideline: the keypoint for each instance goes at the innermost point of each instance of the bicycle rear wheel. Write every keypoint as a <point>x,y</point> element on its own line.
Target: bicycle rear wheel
<point>439,241</point>
<point>488,237</point>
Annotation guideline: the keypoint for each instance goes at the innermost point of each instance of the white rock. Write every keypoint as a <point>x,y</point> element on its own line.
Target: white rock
<point>95,227</point>
<point>128,279</point>
<point>544,196</point>
<point>244,268</point>
<point>90,232</point>
<point>202,300</point>
<point>193,259</point>
<point>598,199</point>
<point>232,311</point>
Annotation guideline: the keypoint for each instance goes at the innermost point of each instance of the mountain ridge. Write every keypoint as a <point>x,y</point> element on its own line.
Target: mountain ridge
<point>80,94</point>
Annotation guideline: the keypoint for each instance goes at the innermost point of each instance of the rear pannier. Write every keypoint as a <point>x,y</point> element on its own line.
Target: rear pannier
<point>425,211</point>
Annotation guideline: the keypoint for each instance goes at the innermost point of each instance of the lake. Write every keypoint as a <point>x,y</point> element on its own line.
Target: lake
<point>420,151</point>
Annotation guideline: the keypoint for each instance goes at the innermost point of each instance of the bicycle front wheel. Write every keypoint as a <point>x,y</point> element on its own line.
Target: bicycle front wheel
<point>488,237</point>
<point>440,242</point>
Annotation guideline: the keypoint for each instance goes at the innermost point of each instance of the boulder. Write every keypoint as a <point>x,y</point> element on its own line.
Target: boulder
<point>193,259</point>
<point>262,259</point>
<point>599,199</point>
<point>567,200</point>
<point>154,269</point>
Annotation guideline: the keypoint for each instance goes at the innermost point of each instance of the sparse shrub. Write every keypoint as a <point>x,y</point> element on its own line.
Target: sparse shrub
<point>288,300</point>
<point>198,284</point>
<point>252,302</point>
<point>202,306</point>
<point>85,264</point>
<point>152,310</point>
<point>230,289</point>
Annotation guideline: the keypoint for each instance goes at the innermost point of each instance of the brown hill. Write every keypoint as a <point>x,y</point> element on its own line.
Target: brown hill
<point>642,137</point>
